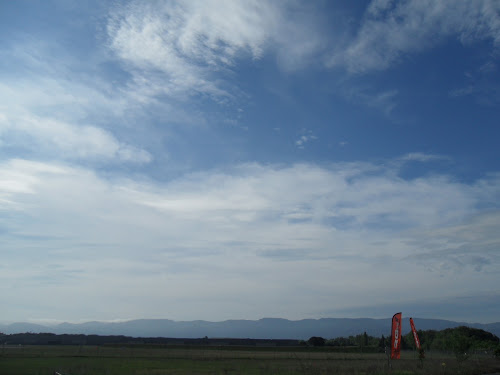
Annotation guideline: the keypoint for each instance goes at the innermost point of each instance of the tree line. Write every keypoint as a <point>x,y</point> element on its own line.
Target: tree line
<point>30,338</point>
<point>460,340</point>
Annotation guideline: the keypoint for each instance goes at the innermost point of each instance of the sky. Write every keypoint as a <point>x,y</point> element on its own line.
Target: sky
<point>224,159</point>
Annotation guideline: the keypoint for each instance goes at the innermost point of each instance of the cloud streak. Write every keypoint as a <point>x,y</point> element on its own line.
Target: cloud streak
<point>67,141</point>
<point>178,48</point>
<point>49,111</point>
<point>392,30</point>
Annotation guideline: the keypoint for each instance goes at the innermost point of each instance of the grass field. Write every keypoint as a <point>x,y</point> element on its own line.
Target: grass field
<point>180,360</point>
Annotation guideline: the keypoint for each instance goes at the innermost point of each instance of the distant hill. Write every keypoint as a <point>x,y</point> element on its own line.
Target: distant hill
<point>268,328</point>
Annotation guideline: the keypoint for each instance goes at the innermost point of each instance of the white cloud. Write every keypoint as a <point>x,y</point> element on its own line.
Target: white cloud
<point>51,107</point>
<point>180,45</point>
<point>46,80</point>
<point>178,48</point>
<point>67,141</point>
<point>169,249</point>
<point>423,157</point>
<point>390,30</point>
<point>455,247</point>
<point>308,136</point>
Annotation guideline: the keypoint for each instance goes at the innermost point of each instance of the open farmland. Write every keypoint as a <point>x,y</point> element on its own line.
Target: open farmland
<point>145,360</point>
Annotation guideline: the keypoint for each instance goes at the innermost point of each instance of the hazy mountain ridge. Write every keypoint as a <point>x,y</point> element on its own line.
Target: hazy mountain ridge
<point>267,328</point>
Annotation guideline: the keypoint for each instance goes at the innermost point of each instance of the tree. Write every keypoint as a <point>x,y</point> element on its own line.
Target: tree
<point>316,341</point>
<point>365,339</point>
<point>382,344</point>
<point>460,343</point>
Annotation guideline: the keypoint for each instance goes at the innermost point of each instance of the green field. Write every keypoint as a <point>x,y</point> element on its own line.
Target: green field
<point>179,360</point>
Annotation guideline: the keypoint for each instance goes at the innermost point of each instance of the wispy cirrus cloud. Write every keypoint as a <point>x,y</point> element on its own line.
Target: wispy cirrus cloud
<point>453,247</point>
<point>391,30</point>
<point>384,101</point>
<point>184,46</point>
<point>480,83</point>
<point>180,50</point>
<point>423,157</point>
<point>51,107</point>
<point>54,138</point>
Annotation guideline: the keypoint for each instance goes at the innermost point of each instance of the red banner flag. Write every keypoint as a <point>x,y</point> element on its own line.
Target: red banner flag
<point>415,336</point>
<point>396,336</point>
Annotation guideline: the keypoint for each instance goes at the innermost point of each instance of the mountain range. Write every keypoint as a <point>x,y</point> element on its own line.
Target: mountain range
<point>267,328</point>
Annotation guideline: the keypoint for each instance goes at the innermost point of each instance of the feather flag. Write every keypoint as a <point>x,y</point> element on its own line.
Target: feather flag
<point>396,336</point>
<point>415,336</point>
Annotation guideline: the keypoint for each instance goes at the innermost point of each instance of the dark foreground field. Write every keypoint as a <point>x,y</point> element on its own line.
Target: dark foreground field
<point>137,360</point>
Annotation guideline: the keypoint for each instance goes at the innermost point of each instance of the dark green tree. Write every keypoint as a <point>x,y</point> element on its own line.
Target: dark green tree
<point>460,342</point>
<point>316,341</point>
<point>365,339</point>
<point>381,344</point>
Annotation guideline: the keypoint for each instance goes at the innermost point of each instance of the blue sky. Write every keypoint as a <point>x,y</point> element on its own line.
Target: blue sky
<point>245,159</point>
